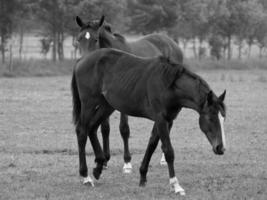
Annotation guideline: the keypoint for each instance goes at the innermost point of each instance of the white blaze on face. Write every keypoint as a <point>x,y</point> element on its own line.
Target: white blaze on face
<point>221,119</point>
<point>87,35</point>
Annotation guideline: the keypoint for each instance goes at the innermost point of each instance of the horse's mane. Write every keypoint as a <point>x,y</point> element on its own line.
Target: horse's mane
<point>169,70</point>
<point>202,82</point>
<point>119,37</point>
<point>203,85</point>
<point>91,24</point>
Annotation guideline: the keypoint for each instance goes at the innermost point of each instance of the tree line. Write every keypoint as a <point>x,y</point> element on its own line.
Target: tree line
<point>220,23</point>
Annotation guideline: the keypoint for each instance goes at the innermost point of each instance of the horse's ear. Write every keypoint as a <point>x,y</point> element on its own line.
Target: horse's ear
<point>222,96</point>
<point>79,21</point>
<point>101,21</point>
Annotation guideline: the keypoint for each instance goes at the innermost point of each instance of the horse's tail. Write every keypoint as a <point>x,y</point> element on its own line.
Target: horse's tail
<point>75,100</point>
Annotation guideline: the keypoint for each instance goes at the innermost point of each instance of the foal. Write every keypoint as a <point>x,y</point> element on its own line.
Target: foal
<point>98,34</point>
<point>153,88</point>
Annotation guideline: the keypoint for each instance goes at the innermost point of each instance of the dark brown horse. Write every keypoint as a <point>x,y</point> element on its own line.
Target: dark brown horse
<point>152,88</point>
<point>98,34</point>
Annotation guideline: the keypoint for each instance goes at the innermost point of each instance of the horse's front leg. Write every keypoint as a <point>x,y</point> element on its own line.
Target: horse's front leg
<point>163,161</point>
<point>105,130</point>
<point>125,134</point>
<point>163,131</point>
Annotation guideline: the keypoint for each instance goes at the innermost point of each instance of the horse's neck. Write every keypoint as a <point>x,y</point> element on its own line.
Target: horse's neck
<point>193,92</point>
<point>110,41</point>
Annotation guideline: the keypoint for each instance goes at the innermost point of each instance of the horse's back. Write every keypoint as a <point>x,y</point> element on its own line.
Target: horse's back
<point>157,44</point>
<point>90,68</point>
<point>109,62</point>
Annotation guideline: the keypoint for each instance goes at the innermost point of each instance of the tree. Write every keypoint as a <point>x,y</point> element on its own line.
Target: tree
<point>249,15</point>
<point>149,16</point>
<point>7,10</point>
<point>22,20</point>
<point>260,35</point>
<point>193,20</point>
<point>55,15</point>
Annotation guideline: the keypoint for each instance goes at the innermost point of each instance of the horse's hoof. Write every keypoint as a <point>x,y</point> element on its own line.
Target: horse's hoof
<point>88,181</point>
<point>105,166</point>
<point>127,168</point>
<point>142,183</point>
<point>175,187</point>
<point>163,160</point>
<point>97,173</point>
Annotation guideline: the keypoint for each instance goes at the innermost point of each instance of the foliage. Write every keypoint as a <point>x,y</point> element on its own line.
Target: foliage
<point>151,16</point>
<point>239,21</point>
<point>7,10</point>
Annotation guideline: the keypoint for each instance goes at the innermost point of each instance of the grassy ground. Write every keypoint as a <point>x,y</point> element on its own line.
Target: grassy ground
<point>41,67</point>
<point>38,150</point>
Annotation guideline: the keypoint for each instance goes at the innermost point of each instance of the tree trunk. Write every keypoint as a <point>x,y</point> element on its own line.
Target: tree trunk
<point>240,50</point>
<point>2,46</point>
<point>184,46</point>
<point>60,46</point>
<point>75,47</point>
<point>10,65</point>
<point>229,55</point>
<point>194,48</point>
<point>21,37</point>
<point>54,49</point>
<point>249,50</point>
<point>260,52</point>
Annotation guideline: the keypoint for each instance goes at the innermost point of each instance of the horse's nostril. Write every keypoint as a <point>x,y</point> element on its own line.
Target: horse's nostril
<point>220,149</point>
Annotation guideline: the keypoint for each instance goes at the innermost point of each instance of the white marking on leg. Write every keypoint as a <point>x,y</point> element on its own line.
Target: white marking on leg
<point>87,35</point>
<point>127,168</point>
<point>163,160</point>
<point>175,186</point>
<point>221,119</point>
<point>88,180</point>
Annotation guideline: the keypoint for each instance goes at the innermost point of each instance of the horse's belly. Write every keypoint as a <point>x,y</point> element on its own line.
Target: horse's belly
<point>125,105</point>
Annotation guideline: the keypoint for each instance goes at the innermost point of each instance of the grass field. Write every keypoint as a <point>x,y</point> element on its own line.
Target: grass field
<point>38,150</point>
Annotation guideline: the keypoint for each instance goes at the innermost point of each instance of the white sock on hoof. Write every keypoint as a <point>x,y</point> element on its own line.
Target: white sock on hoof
<point>163,160</point>
<point>105,167</point>
<point>127,168</point>
<point>88,180</point>
<point>175,186</point>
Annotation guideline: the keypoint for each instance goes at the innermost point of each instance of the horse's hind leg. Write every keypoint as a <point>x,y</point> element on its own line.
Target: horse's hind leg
<point>152,144</point>
<point>102,113</point>
<point>105,130</point>
<point>125,134</point>
<point>82,138</point>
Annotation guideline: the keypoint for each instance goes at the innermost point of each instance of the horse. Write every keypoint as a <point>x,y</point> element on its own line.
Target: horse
<point>98,34</point>
<point>153,88</point>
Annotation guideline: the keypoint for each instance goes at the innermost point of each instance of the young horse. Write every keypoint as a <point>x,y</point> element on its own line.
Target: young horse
<point>153,88</point>
<point>97,34</point>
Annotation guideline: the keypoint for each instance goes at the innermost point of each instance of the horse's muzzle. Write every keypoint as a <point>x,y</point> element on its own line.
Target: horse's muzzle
<point>219,149</point>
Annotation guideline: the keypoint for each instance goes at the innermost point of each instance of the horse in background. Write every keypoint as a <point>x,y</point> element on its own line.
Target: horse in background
<point>98,34</point>
<point>152,88</point>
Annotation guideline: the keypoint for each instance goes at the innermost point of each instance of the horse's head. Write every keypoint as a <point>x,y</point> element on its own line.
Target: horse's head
<point>211,121</point>
<point>88,36</point>
<point>98,34</point>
